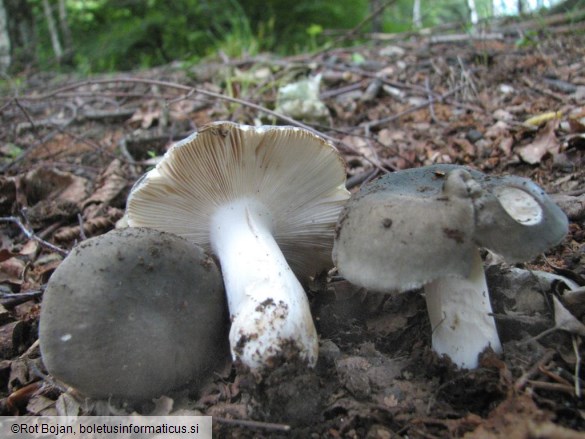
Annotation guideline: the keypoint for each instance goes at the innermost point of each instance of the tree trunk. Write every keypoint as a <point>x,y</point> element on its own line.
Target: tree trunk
<point>53,33</point>
<point>472,12</point>
<point>65,31</point>
<point>416,17</point>
<point>5,48</point>
<point>20,31</point>
<point>377,15</point>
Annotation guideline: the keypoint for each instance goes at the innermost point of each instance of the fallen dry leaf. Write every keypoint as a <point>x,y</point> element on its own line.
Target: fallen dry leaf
<point>52,184</point>
<point>110,185</point>
<point>544,143</point>
<point>565,320</point>
<point>12,270</point>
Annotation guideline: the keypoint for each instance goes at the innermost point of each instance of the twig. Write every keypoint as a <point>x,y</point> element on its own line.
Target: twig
<point>254,424</point>
<point>577,366</point>
<point>553,376</point>
<point>539,89</point>
<point>30,350</point>
<point>12,300</point>
<point>557,387</point>
<point>82,234</point>
<point>464,38</point>
<point>521,382</point>
<point>26,115</point>
<point>30,235</point>
<point>431,100</point>
<point>466,77</point>
<point>361,178</point>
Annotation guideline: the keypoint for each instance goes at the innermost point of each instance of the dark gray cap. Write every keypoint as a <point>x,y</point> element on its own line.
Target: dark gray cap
<point>134,313</point>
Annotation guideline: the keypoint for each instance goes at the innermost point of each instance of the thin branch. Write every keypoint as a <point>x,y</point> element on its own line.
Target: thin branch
<point>577,366</point>
<point>525,378</point>
<point>31,235</point>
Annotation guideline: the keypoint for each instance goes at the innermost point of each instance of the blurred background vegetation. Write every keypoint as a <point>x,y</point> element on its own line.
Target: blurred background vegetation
<point>115,35</point>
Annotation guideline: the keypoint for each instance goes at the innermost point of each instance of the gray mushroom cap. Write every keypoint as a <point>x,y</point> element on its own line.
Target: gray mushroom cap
<point>516,219</point>
<point>134,313</point>
<point>411,227</point>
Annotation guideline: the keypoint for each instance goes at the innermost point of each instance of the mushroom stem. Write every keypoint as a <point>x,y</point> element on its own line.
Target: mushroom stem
<point>268,306</point>
<point>460,314</point>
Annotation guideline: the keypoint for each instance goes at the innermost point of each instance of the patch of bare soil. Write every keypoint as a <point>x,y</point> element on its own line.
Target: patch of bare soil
<point>72,148</point>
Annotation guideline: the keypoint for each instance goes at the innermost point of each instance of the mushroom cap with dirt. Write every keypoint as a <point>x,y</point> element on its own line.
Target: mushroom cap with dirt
<point>134,314</point>
<point>265,200</point>
<point>424,227</point>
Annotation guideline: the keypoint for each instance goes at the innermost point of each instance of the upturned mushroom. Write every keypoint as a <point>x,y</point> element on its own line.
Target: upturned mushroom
<point>265,201</point>
<point>424,227</point>
<point>134,314</point>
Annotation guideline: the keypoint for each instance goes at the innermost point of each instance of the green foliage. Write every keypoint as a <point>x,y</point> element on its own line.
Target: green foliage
<point>291,19</point>
<point>112,35</point>
<point>234,35</point>
<point>10,152</point>
<point>127,34</point>
<point>314,31</point>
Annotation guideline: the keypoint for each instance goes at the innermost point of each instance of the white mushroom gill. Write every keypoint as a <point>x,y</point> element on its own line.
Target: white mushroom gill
<point>268,306</point>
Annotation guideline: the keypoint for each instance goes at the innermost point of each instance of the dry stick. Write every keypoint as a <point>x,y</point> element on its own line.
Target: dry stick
<point>86,95</point>
<point>26,115</point>
<point>31,235</point>
<point>521,382</point>
<point>538,89</point>
<point>558,387</point>
<point>577,366</point>
<point>9,301</point>
<point>81,227</point>
<point>554,376</point>
<point>431,101</point>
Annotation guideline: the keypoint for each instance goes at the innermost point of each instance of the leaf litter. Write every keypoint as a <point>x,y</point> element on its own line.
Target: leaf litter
<point>67,175</point>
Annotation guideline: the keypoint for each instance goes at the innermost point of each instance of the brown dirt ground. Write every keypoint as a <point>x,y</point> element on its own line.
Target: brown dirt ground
<point>71,150</point>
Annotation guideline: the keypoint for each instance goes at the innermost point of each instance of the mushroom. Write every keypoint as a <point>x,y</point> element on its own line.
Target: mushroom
<point>259,198</point>
<point>424,227</point>
<point>134,314</point>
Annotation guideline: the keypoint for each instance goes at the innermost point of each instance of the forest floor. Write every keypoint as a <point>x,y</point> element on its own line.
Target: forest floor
<point>72,147</point>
